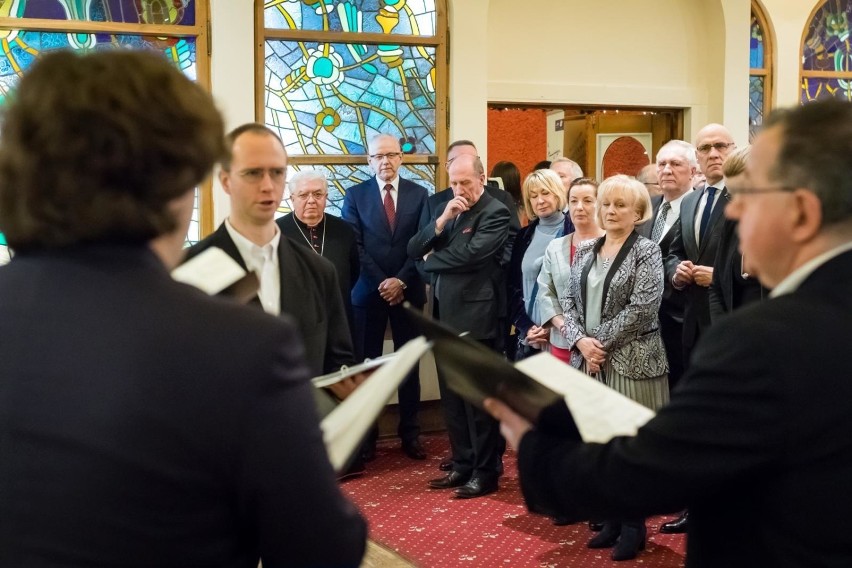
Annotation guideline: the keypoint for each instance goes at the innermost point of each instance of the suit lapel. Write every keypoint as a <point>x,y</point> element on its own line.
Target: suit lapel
<point>715,215</point>
<point>616,264</point>
<point>688,210</point>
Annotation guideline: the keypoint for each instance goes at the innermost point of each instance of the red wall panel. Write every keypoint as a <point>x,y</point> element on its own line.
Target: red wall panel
<point>518,136</point>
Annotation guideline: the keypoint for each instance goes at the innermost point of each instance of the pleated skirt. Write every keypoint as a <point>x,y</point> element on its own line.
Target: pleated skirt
<point>653,393</point>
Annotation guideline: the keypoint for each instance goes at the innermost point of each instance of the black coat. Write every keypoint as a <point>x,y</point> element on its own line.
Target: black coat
<point>759,431</point>
<point>143,423</point>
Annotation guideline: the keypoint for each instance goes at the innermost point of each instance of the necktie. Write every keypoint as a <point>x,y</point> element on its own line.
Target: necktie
<point>705,216</point>
<point>390,210</point>
<point>660,223</point>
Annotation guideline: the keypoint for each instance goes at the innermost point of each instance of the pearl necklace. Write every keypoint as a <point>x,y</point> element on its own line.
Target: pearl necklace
<point>307,240</point>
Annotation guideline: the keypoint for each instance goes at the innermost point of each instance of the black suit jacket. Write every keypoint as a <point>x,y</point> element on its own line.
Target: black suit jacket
<point>146,424</point>
<point>310,295</point>
<point>756,432</point>
<point>467,258</point>
<point>382,251</point>
<point>684,246</point>
<point>339,248</point>
<point>730,289</point>
<point>673,300</point>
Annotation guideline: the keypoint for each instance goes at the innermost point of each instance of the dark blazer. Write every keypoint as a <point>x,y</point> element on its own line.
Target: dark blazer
<point>146,424</point>
<point>730,289</point>
<point>671,308</point>
<point>339,248</point>
<point>684,246</point>
<point>310,295</point>
<point>383,252</point>
<point>726,446</point>
<point>466,257</point>
<point>515,278</point>
<point>439,198</point>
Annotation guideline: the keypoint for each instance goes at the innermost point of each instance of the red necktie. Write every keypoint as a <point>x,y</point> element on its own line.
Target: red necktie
<point>390,210</point>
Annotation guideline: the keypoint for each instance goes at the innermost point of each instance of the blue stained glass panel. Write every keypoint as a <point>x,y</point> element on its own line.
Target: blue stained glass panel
<point>756,45</point>
<point>20,48</point>
<point>410,17</point>
<point>332,98</point>
<point>163,12</point>
<point>342,177</point>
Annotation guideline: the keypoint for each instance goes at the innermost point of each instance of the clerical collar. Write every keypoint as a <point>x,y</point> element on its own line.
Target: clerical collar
<point>314,236</point>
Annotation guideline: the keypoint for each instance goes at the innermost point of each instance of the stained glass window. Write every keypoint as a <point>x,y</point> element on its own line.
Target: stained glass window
<point>85,25</point>
<point>338,72</point>
<point>760,73</point>
<point>825,71</point>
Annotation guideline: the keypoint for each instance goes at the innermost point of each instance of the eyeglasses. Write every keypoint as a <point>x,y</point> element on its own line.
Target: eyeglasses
<point>719,146</point>
<point>389,156</point>
<point>734,192</point>
<point>317,195</point>
<point>255,175</point>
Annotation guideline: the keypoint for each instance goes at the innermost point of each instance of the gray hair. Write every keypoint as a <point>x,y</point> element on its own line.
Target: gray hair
<point>684,148</point>
<point>306,175</point>
<point>576,170</point>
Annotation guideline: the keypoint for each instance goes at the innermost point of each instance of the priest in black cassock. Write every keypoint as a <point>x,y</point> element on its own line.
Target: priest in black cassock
<point>308,225</point>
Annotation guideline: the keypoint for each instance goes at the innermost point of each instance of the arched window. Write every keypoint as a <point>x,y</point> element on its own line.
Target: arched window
<point>760,70</point>
<point>825,71</point>
<point>333,74</point>
<point>175,28</point>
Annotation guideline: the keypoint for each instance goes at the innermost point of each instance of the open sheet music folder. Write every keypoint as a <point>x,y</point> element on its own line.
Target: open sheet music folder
<point>544,390</point>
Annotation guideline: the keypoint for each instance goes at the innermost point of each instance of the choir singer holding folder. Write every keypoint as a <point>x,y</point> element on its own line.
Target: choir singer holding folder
<point>760,427</point>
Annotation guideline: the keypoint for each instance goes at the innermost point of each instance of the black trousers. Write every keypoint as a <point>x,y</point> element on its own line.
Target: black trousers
<point>370,324</point>
<point>475,440</point>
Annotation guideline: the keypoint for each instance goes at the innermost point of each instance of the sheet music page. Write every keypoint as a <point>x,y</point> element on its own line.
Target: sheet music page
<point>599,412</point>
<point>331,378</point>
<point>347,424</point>
<point>211,271</point>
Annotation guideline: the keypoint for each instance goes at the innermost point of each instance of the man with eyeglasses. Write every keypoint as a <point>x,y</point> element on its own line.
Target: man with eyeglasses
<point>384,211</point>
<point>689,266</point>
<point>760,428</point>
<point>294,281</point>
<point>331,237</point>
<point>675,166</point>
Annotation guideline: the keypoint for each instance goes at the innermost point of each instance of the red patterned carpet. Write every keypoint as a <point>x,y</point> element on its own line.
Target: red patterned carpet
<point>432,529</point>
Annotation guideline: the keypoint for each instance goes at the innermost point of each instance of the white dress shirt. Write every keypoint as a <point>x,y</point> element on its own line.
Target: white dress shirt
<point>263,261</point>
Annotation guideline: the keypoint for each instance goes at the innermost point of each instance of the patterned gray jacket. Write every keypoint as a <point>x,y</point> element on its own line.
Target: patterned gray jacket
<point>629,328</point>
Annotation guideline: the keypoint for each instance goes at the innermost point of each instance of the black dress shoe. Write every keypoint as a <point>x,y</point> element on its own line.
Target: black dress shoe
<point>446,464</point>
<point>595,526</point>
<point>452,479</point>
<point>676,526</point>
<point>368,454</point>
<point>607,537</point>
<point>414,450</point>
<point>631,541</point>
<point>476,487</point>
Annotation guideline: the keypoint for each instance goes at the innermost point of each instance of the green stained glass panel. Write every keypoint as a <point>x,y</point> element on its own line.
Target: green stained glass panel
<point>755,104</point>
<point>342,177</point>
<point>163,12</point>
<point>332,98</point>
<point>410,17</point>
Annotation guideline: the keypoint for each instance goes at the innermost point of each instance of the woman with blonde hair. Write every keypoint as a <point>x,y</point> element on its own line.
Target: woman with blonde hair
<point>544,202</point>
<point>612,324</point>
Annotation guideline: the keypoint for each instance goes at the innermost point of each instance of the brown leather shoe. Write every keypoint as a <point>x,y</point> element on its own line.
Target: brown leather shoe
<point>452,479</point>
